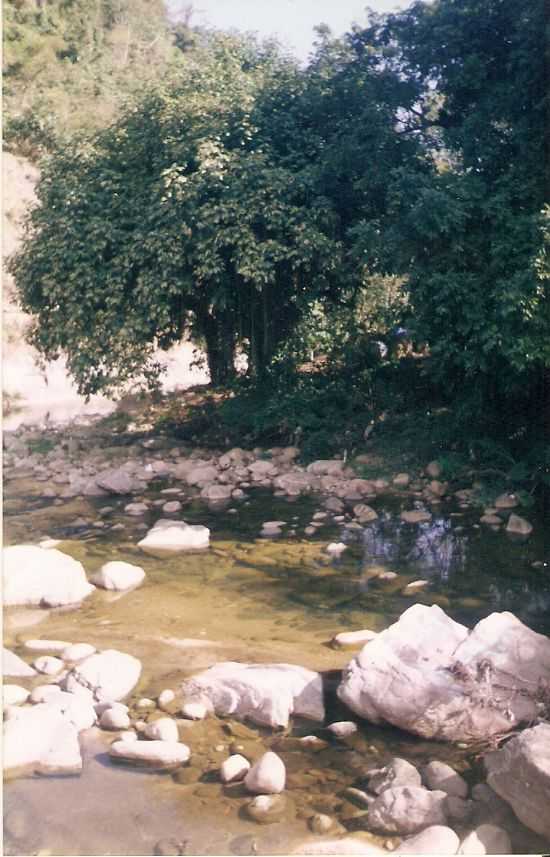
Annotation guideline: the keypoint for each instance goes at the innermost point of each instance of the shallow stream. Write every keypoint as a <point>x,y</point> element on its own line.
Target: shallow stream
<point>247,599</point>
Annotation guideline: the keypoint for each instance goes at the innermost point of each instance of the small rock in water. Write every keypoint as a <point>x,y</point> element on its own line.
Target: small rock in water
<point>401,480</point>
<point>336,548</point>
<point>267,776</point>
<point>163,729</point>
<point>506,501</point>
<point>56,646</point>
<point>321,823</point>
<point>165,698</point>
<point>352,639</point>
<point>172,506</point>
<point>160,755</point>
<point>77,652</point>
<point>364,514</point>
<point>234,768</point>
<point>145,702</point>
<point>267,808</point>
<point>128,735</point>
<point>168,537</point>
<point>517,526</point>
<point>48,665</point>
<point>195,710</point>
<point>118,576</point>
<point>343,728</point>
<point>310,531</point>
<point>415,586</point>
<point>114,719</point>
<point>415,516</point>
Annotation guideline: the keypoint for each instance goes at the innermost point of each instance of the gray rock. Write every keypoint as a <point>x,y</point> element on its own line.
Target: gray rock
<point>520,774</point>
<point>406,809</point>
<point>438,775</point>
<point>398,772</point>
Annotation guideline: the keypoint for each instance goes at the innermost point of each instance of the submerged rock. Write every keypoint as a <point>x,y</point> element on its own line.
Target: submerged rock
<point>33,575</point>
<point>520,774</point>
<point>267,809</point>
<point>169,537</point>
<point>266,693</point>
<point>431,676</point>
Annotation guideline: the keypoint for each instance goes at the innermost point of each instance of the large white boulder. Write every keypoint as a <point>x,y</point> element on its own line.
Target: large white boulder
<point>41,739</point>
<point>520,774</point>
<point>33,575</point>
<point>106,676</point>
<point>170,537</point>
<point>433,677</point>
<point>118,575</point>
<point>265,693</point>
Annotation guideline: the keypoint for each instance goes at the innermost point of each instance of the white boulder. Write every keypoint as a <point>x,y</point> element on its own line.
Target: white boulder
<point>55,646</point>
<point>48,665</point>
<point>342,728</point>
<point>163,729</point>
<point>265,693</point>
<point>77,652</point>
<point>169,537</point>
<point>520,774</point>
<point>33,575</point>
<point>430,676</point>
<point>41,740</point>
<point>267,776</point>
<point>353,639</point>
<point>436,839</point>
<point>118,575</point>
<point>114,718</point>
<point>160,755</point>
<point>108,676</point>
<point>234,768</point>
<point>14,694</point>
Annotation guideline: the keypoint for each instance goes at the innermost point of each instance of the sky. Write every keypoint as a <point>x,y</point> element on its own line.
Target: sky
<point>292,21</point>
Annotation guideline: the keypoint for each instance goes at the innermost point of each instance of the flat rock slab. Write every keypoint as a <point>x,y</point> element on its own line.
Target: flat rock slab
<point>433,677</point>
<point>47,577</point>
<point>520,774</point>
<point>267,694</point>
<point>169,537</point>
<point>160,755</point>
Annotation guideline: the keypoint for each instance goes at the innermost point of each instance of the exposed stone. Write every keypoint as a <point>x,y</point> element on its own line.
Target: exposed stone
<point>267,776</point>
<point>109,676</point>
<point>354,843</point>
<point>117,480</point>
<point>165,698</point>
<point>265,693</point>
<point>13,665</point>
<point>169,537</point>
<point>13,694</point>
<point>48,665</point>
<point>486,839</point>
<point>217,493</point>
<point>160,755</point>
<point>114,718</point>
<point>520,774</point>
<point>438,775</point>
<point>77,652</point>
<point>434,470</point>
<point>518,526</point>
<point>44,693</point>
<point>336,548</point>
<point>396,773</point>
<point>364,514</point>
<point>343,728</point>
<point>436,839</point>
<point>202,475</point>
<point>33,575</point>
<point>195,710</point>
<point>430,676</point>
<point>401,480</point>
<point>119,576</point>
<point>506,501</point>
<point>41,740</point>
<point>55,646</point>
<point>163,729</point>
<point>406,809</point>
<point>234,768</point>
<point>415,586</point>
<point>491,520</point>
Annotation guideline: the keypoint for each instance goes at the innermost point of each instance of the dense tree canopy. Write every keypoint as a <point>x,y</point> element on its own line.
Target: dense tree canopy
<point>241,191</point>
